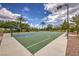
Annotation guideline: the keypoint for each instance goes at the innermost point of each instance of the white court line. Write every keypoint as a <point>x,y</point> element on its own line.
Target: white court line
<point>39,42</point>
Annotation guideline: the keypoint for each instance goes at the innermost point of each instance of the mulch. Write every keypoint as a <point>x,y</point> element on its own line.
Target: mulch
<point>73,45</point>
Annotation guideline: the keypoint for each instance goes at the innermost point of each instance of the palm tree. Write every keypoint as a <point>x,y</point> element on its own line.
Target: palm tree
<point>43,23</point>
<point>20,20</point>
<point>49,27</point>
<point>76,21</point>
<point>64,25</point>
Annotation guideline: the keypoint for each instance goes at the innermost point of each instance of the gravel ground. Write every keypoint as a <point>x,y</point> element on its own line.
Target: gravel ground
<point>73,45</point>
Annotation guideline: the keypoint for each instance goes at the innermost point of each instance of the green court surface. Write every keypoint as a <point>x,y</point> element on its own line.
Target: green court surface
<point>34,41</point>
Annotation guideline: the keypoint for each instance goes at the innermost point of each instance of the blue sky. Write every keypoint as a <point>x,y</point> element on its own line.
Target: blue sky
<point>34,12</point>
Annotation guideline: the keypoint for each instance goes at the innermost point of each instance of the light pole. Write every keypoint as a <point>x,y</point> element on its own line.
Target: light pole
<point>11,31</point>
<point>67,20</point>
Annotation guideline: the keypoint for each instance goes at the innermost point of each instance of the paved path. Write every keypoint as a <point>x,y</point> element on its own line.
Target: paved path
<point>73,45</point>
<point>11,47</point>
<point>55,48</point>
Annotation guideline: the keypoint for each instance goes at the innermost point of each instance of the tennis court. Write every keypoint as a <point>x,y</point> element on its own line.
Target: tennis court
<point>34,41</point>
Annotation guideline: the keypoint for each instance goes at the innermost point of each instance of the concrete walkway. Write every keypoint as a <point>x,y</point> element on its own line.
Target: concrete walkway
<point>11,47</point>
<point>55,48</point>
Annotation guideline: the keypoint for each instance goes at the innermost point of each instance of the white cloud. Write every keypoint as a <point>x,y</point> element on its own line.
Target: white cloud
<point>25,17</point>
<point>8,15</point>
<point>26,22</point>
<point>17,14</point>
<point>44,18</point>
<point>35,26</point>
<point>44,12</point>
<point>26,9</point>
<point>62,13</point>
<point>31,25</point>
<point>51,7</point>
<point>50,17</point>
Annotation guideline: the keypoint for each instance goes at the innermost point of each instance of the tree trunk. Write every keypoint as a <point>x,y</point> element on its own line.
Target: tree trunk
<point>20,26</point>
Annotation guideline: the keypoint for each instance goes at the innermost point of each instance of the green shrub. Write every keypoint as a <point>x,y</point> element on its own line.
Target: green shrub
<point>1,30</point>
<point>72,30</point>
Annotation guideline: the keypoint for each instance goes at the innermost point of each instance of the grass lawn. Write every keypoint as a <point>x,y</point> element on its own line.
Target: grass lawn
<point>34,41</point>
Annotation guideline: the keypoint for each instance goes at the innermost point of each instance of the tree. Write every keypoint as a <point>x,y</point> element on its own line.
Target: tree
<point>49,27</point>
<point>8,25</point>
<point>1,24</point>
<point>76,21</point>
<point>12,25</point>
<point>20,20</point>
<point>43,23</point>
<point>64,25</point>
<point>25,27</point>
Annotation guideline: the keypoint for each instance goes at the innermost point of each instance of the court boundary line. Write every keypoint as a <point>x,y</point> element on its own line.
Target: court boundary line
<point>39,42</point>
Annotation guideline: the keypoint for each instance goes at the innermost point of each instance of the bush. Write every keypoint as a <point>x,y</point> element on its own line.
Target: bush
<point>72,29</point>
<point>1,30</point>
